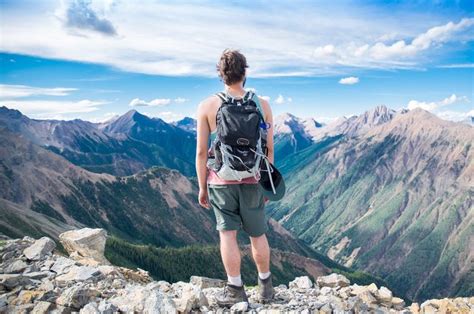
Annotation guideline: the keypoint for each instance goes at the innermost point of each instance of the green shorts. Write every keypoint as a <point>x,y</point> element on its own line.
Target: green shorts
<point>239,205</point>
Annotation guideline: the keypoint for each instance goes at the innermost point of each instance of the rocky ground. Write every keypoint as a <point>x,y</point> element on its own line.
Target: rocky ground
<point>34,278</point>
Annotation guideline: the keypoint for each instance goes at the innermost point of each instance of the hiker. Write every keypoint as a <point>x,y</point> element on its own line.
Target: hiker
<point>238,124</point>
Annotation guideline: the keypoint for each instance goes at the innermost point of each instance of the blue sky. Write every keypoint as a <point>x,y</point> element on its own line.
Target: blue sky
<point>94,59</point>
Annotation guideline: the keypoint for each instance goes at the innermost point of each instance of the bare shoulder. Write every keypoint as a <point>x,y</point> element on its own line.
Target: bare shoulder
<point>208,104</point>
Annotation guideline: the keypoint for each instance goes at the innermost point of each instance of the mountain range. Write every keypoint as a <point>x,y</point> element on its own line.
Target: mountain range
<point>389,193</point>
<point>123,146</point>
<point>43,193</point>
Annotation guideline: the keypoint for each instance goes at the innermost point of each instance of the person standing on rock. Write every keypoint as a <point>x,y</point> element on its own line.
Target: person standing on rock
<point>238,124</point>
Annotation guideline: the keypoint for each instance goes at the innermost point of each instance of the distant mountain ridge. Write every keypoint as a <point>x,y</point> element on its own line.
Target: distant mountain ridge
<point>123,146</point>
<point>379,189</point>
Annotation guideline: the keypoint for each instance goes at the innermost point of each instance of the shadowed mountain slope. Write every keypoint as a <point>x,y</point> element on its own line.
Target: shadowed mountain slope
<point>395,198</point>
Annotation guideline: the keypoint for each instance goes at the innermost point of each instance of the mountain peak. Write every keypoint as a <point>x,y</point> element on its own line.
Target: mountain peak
<point>10,113</point>
<point>187,123</point>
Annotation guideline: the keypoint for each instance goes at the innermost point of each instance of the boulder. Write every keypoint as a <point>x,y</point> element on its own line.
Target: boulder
<point>142,300</point>
<point>191,298</point>
<point>239,307</point>
<point>15,267</point>
<point>79,273</point>
<point>62,264</point>
<point>333,280</point>
<point>76,296</point>
<point>26,297</point>
<point>11,281</point>
<point>162,285</point>
<point>85,245</point>
<point>90,308</point>
<point>385,295</point>
<point>205,282</point>
<point>301,282</point>
<point>99,308</point>
<point>39,249</point>
<point>367,297</point>
<point>42,307</point>
<point>397,303</point>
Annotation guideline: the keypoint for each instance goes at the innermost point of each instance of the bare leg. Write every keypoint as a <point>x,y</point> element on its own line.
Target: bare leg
<point>230,252</point>
<point>261,253</point>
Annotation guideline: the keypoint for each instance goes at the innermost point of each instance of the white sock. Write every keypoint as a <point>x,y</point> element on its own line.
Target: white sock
<point>235,281</point>
<point>264,276</point>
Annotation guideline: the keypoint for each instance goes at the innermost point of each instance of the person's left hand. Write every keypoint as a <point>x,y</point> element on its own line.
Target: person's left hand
<point>204,198</point>
<point>265,200</point>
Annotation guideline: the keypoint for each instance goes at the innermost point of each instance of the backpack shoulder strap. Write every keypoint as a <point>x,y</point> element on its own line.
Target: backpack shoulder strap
<point>259,105</point>
<point>222,96</point>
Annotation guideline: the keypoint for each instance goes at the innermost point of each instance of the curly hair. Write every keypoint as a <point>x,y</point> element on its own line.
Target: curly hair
<point>231,66</point>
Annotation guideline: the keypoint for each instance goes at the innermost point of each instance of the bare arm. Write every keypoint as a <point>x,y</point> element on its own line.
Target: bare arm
<point>269,119</point>
<point>203,131</point>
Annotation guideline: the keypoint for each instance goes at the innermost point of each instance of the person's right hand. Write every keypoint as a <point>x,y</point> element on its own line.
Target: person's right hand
<point>204,198</point>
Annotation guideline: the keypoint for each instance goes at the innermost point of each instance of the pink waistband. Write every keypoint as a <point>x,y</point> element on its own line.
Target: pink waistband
<point>212,178</point>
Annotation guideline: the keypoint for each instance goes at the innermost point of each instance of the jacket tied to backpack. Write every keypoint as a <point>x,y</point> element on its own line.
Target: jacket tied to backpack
<point>240,143</point>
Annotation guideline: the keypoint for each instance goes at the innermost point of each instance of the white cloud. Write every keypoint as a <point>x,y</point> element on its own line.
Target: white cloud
<point>457,66</point>
<point>267,98</point>
<point>455,115</point>
<point>325,51</point>
<point>285,45</point>
<point>393,55</point>
<point>351,80</point>
<point>19,91</point>
<point>280,100</point>
<point>435,35</point>
<point>50,109</point>
<point>180,100</point>
<point>167,116</point>
<point>430,106</point>
<point>137,102</point>
<point>105,117</point>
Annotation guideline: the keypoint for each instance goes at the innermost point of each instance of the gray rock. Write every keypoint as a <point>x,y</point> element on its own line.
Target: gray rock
<point>398,303</point>
<point>301,282</point>
<point>385,296</point>
<point>333,280</point>
<point>157,302</point>
<point>90,308</point>
<point>205,282</point>
<point>39,274</point>
<point>76,296</point>
<point>11,281</point>
<point>192,297</point>
<point>87,245</point>
<point>42,307</point>
<point>326,290</point>
<point>46,285</point>
<point>162,285</point>
<point>107,308</point>
<point>79,273</point>
<point>102,308</point>
<point>39,249</point>
<point>15,267</point>
<point>3,301</point>
<point>240,307</point>
<point>62,264</point>
<point>142,300</point>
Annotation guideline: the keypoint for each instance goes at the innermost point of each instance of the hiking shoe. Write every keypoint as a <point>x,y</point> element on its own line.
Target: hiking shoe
<point>231,295</point>
<point>265,290</point>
